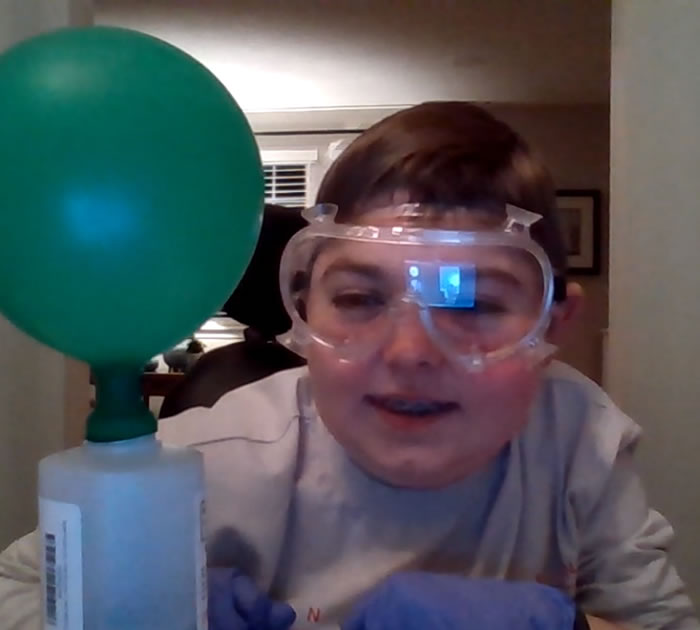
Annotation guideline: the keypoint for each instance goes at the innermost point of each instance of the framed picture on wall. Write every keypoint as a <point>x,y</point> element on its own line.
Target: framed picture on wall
<point>579,218</point>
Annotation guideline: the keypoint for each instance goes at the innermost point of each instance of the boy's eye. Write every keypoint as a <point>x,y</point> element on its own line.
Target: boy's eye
<point>487,307</point>
<point>485,315</point>
<point>480,307</point>
<point>357,300</point>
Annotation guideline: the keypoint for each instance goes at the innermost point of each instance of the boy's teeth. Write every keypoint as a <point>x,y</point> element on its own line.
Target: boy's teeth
<point>405,406</point>
<point>413,407</point>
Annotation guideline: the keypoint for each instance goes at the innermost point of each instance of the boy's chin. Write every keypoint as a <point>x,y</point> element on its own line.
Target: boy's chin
<point>419,476</point>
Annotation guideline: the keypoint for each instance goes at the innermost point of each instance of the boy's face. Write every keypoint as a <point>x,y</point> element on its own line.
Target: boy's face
<point>405,412</point>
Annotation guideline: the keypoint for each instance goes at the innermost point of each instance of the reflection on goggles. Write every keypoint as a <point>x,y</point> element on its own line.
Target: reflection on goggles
<point>442,285</point>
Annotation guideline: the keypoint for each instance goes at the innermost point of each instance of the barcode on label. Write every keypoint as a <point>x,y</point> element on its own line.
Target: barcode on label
<point>50,563</point>
<point>200,556</point>
<point>62,565</point>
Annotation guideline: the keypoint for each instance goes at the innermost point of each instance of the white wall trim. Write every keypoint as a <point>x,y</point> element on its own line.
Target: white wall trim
<point>289,156</point>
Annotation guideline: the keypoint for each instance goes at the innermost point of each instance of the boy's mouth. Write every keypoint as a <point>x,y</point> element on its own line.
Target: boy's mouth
<point>412,407</point>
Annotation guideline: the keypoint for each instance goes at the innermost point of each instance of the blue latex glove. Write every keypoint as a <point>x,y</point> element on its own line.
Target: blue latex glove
<point>420,601</point>
<point>236,603</point>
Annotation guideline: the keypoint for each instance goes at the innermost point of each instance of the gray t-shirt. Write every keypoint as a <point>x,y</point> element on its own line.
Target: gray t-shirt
<point>561,505</point>
<point>371,529</point>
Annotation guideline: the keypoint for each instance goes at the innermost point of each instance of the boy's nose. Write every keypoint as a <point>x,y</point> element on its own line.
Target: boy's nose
<point>409,344</point>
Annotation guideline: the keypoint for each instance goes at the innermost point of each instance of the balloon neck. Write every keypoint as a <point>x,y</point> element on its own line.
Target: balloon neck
<point>120,412</point>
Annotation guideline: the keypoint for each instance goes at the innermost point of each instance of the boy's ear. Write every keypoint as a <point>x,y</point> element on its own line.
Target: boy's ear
<point>565,313</point>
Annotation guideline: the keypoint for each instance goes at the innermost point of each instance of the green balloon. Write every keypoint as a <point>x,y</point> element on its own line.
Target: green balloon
<point>131,193</point>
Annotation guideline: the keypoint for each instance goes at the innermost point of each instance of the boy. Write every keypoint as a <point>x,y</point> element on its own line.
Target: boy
<point>431,441</point>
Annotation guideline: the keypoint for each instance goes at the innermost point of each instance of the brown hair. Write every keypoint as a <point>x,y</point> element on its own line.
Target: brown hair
<point>446,152</point>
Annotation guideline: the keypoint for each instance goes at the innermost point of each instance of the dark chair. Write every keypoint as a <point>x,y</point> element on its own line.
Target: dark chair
<point>256,303</point>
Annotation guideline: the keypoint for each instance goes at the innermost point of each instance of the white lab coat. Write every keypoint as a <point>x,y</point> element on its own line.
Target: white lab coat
<point>563,505</point>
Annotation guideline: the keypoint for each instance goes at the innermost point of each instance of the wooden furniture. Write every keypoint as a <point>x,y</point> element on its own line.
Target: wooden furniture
<point>158,384</point>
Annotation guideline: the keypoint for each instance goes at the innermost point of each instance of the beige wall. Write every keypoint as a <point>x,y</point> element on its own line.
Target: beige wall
<point>41,394</point>
<point>31,424</point>
<point>296,54</point>
<point>654,255</point>
<point>574,142</point>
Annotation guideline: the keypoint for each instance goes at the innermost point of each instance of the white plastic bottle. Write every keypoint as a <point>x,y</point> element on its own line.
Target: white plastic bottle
<point>121,524</point>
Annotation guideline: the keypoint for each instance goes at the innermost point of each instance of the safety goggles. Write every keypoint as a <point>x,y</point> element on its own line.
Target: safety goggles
<point>481,295</point>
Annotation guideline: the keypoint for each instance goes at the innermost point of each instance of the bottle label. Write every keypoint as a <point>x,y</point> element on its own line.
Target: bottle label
<point>60,528</point>
<point>201,563</point>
